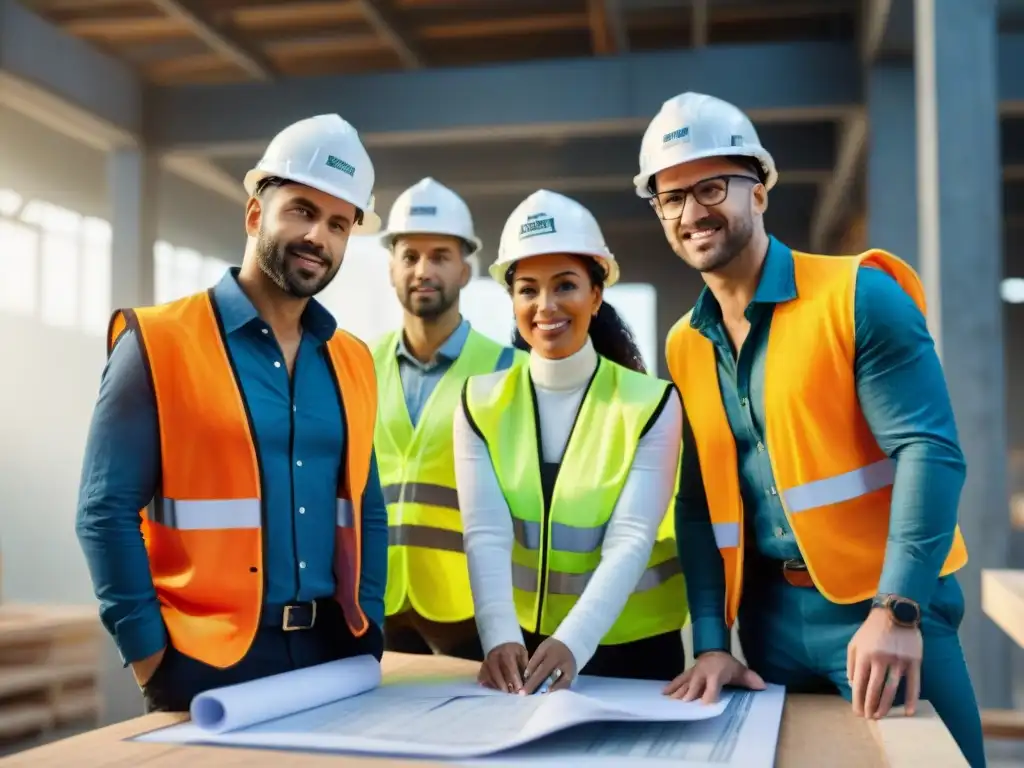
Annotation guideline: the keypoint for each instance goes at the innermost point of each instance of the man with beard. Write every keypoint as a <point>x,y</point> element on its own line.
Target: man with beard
<point>421,369</point>
<point>240,422</point>
<point>821,469</point>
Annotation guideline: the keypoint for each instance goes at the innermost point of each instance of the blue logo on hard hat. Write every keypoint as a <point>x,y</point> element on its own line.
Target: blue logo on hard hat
<point>537,224</point>
<point>340,165</point>
<point>679,134</point>
<point>423,210</point>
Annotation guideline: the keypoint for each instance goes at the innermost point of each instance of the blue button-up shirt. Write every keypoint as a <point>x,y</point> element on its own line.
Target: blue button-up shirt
<point>902,393</point>
<point>420,379</point>
<point>300,433</point>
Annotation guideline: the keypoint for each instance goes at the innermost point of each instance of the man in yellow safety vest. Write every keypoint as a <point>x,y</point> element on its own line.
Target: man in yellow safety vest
<point>420,372</point>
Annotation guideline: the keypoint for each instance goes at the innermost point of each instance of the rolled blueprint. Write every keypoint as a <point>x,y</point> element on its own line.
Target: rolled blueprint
<point>245,704</point>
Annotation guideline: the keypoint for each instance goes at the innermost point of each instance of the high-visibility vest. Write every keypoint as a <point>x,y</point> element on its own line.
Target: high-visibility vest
<point>427,567</point>
<point>833,479</point>
<point>204,530</point>
<point>556,550</point>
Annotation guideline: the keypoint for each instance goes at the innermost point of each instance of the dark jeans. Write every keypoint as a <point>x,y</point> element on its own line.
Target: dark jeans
<point>408,632</point>
<point>179,678</point>
<point>661,657</point>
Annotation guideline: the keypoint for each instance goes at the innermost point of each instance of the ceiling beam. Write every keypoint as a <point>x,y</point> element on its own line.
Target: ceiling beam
<point>383,23</point>
<point>698,23</point>
<point>65,83</point>
<point>188,12</point>
<point>608,32</point>
<point>834,198</point>
<point>561,97</point>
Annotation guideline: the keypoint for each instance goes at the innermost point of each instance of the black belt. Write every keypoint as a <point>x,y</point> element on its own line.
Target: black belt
<point>291,617</point>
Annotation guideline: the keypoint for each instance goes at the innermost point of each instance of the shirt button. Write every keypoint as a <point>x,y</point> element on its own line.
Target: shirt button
<point>302,510</point>
<point>743,402</point>
<point>302,564</point>
<point>760,447</point>
<point>266,331</point>
<point>277,364</point>
<point>779,533</point>
<point>772,491</point>
<point>298,463</point>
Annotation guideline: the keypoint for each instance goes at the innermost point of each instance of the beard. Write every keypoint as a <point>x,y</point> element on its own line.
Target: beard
<point>722,248</point>
<point>429,306</point>
<point>281,263</point>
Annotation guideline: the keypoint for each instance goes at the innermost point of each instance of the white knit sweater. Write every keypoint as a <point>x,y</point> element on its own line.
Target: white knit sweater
<point>487,522</point>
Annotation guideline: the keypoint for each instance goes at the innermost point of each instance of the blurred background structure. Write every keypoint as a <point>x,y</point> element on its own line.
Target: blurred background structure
<point>126,127</point>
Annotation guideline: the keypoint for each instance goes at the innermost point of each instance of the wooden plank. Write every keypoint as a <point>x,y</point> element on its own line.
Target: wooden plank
<point>1002,600</point>
<point>812,726</point>
<point>1003,724</point>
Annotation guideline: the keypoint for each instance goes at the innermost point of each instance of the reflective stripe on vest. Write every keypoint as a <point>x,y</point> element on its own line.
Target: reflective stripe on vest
<point>555,552</point>
<point>203,534</point>
<point>427,567</point>
<point>835,482</point>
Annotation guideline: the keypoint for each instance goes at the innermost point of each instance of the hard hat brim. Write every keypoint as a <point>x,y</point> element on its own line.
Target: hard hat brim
<point>371,223</point>
<point>387,238</point>
<point>499,269</point>
<point>641,180</point>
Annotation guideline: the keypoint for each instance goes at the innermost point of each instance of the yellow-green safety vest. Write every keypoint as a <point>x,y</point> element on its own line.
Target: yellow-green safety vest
<point>555,551</point>
<point>427,568</point>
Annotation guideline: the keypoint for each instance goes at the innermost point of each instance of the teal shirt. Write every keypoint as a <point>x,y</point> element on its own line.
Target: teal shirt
<point>419,379</point>
<point>903,396</point>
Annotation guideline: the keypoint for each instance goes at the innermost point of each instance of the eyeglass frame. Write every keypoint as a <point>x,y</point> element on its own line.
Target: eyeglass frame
<point>655,203</point>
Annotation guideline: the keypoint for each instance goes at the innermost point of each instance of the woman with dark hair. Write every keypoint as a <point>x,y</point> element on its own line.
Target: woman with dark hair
<point>565,469</point>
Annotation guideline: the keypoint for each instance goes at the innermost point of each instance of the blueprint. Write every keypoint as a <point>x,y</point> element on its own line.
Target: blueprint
<point>745,736</point>
<point>346,712</point>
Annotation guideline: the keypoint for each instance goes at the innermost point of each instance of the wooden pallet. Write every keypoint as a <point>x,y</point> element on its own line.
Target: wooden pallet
<point>49,668</point>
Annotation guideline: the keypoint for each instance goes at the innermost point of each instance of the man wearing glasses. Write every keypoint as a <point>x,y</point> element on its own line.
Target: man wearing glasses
<point>821,470</point>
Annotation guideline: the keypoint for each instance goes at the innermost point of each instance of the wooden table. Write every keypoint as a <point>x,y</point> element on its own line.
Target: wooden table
<point>1002,600</point>
<point>816,731</point>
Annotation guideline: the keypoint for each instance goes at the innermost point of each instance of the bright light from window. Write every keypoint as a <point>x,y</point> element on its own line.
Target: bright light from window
<point>488,307</point>
<point>361,297</point>
<point>20,284</point>
<point>1012,290</point>
<point>637,305</point>
<point>94,289</point>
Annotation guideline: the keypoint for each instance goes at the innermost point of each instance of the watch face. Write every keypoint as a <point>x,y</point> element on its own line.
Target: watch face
<point>905,613</point>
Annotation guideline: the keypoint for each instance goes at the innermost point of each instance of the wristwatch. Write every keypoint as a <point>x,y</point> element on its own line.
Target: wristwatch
<point>903,611</point>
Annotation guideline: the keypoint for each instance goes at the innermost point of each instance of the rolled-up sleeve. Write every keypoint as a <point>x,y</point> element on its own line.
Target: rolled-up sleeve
<point>904,399</point>
<point>701,561</point>
<point>120,475</point>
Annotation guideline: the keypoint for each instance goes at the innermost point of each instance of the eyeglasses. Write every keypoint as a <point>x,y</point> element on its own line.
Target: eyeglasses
<point>708,192</point>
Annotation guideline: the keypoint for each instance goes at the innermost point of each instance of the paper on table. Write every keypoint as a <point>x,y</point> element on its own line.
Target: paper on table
<point>450,720</point>
<point>744,736</point>
<point>238,706</point>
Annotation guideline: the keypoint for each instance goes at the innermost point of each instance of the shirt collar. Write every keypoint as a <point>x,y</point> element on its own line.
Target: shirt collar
<point>776,286</point>
<point>449,350</point>
<point>237,311</point>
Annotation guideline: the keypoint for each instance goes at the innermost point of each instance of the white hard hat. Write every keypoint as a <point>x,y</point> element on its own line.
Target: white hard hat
<point>547,222</point>
<point>323,152</point>
<point>692,126</point>
<point>429,207</point>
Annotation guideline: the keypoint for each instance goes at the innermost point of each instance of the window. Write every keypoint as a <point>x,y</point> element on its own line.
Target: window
<point>94,286</point>
<point>361,297</point>
<point>1012,290</point>
<point>183,271</point>
<point>19,288</point>
<point>61,257</point>
<point>489,308</point>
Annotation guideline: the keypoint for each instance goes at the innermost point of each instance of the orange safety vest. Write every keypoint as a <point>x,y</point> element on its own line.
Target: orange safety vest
<point>203,530</point>
<point>834,481</point>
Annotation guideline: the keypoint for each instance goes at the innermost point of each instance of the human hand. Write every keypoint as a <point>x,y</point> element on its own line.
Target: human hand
<point>878,656</point>
<point>552,657</point>
<point>144,669</point>
<point>503,667</point>
<point>712,671</point>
